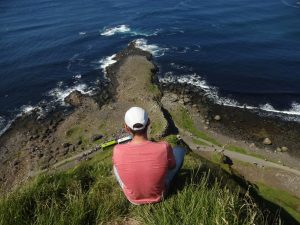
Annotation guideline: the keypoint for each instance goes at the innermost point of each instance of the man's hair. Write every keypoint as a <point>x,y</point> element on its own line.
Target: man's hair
<point>139,132</point>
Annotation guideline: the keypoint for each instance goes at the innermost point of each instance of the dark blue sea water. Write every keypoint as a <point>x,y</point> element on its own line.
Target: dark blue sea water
<point>242,52</point>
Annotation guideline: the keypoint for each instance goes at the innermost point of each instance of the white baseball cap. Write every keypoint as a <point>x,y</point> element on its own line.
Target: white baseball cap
<point>136,115</point>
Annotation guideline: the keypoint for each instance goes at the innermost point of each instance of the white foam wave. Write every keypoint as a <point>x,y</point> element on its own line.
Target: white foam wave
<point>294,110</point>
<point>59,94</point>
<point>114,30</point>
<point>155,50</point>
<point>125,29</point>
<point>82,33</point>
<point>212,93</point>
<point>78,76</point>
<point>107,61</point>
<point>25,109</point>
<point>4,126</point>
<point>28,109</point>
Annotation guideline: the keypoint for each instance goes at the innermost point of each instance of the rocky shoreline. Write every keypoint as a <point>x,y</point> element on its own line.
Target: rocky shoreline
<point>33,144</point>
<point>266,132</point>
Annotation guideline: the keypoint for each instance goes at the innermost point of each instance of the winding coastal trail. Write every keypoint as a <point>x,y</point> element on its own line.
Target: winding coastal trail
<point>233,155</point>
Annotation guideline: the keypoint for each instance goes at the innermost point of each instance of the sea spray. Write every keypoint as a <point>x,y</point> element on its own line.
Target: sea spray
<point>155,50</point>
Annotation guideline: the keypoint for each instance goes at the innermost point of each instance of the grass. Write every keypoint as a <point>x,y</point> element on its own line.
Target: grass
<point>236,149</point>
<point>74,132</point>
<point>199,142</point>
<point>154,90</point>
<point>285,200</point>
<point>156,127</point>
<point>183,120</point>
<point>244,151</point>
<point>89,194</point>
<point>172,140</point>
<point>279,197</point>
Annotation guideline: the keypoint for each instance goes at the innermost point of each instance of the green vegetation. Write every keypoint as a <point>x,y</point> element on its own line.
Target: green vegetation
<point>285,200</point>
<point>183,119</point>
<point>75,134</point>
<point>243,151</point>
<point>199,142</point>
<point>216,158</point>
<point>156,127</point>
<point>89,194</point>
<point>282,198</point>
<point>172,140</point>
<point>236,149</point>
<point>74,131</point>
<point>154,90</point>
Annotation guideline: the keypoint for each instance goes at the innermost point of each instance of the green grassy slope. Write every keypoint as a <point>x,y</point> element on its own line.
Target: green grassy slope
<point>89,194</point>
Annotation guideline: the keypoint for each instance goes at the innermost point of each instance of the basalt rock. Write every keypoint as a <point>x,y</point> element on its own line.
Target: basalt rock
<point>75,98</point>
<point>267,141</point>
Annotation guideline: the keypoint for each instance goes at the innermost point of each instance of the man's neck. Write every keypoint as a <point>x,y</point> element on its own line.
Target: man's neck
<point>139,139</point>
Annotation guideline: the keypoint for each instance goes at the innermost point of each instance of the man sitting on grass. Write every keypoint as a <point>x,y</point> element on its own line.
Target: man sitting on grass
<point>144,169</point>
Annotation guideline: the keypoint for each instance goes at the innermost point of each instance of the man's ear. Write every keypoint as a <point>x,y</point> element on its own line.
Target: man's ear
<point>126,128</point>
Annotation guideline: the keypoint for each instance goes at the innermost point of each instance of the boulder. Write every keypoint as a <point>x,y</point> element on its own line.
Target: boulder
<point>252,145</point>
<point>284,149</point>
<point>267,141</point>
<point>217,117</point>
<point>173,97</point>
<point>181,101</point>
<point>186,100</point>
<point>75,98</point>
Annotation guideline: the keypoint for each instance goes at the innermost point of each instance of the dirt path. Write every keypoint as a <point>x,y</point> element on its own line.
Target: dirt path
<point>233,155</point>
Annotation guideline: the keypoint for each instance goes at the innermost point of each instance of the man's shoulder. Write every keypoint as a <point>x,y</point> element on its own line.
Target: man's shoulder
<point>148,144</point>
<point>162,145</point>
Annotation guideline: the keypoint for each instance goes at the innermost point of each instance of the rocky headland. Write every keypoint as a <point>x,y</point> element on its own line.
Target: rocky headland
<point>33,145</point>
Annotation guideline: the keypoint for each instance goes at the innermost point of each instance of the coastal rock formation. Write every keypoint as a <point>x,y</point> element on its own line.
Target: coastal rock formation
<point>267,141</point>
<point>33,144</point>
<point>75,98</point>
<point>217,118</point>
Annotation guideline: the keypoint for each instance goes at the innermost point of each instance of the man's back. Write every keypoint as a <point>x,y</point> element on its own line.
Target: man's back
<point>142,168</point>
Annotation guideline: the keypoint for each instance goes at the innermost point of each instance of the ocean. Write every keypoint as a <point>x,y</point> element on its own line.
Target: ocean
<point>243,53</point>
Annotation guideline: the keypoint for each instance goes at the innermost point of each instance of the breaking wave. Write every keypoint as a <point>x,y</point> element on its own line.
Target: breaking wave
<point>114,30</point>
<point>155,50</point>
<point>125,29</point>
<point>107,61</point>
<point>59,94</point>
<point>213,94</point>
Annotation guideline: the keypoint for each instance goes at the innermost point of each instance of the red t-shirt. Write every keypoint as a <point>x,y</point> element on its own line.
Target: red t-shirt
<point>142,168</point>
